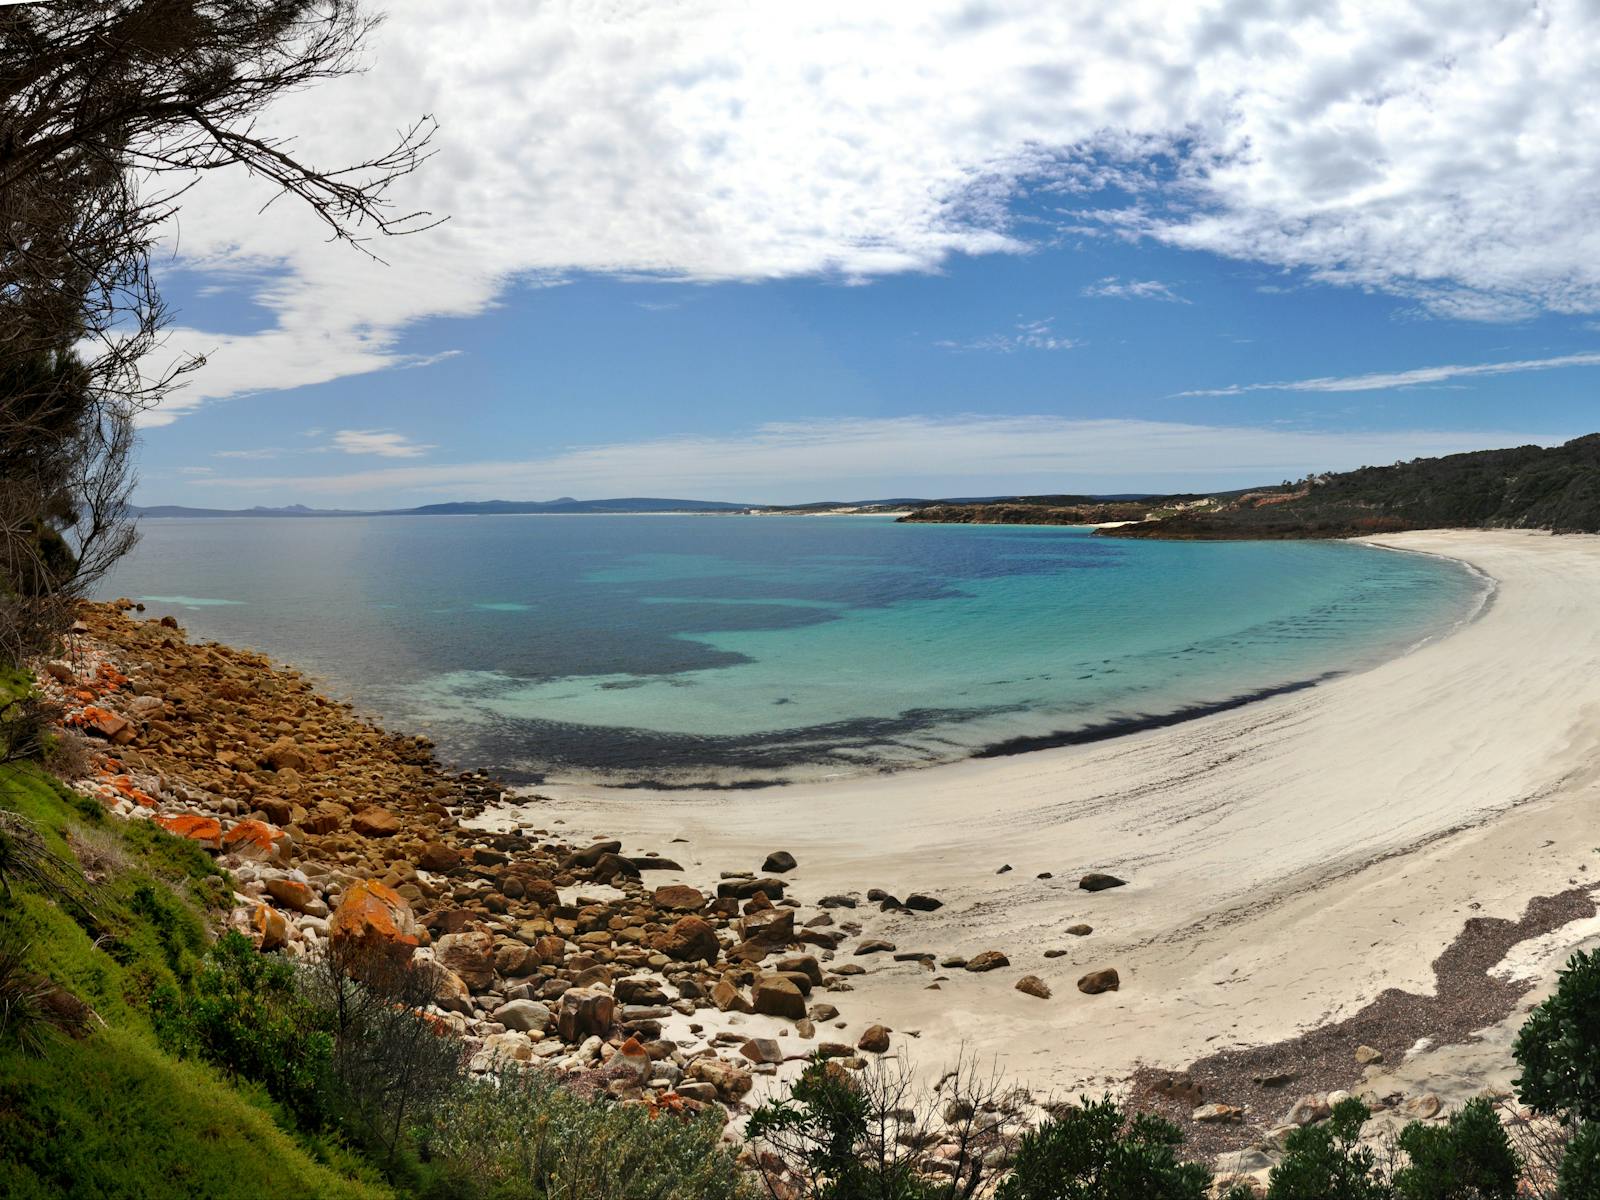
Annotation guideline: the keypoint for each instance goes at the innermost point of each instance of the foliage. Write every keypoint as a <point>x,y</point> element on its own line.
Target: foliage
<point>1580,1169</point>
<point>1325,1162</point>
<point>1558,1047</point>
<point>32,1008</point>
<point>1467,1158</point>
<point>26,860</point>
<point>245,1015</point>
<point>521,1135</point>
<point>860,1137</point>
<point>1096,1153</point>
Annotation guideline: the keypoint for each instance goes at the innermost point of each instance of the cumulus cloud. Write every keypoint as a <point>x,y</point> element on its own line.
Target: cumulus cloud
<point>383,443</point>
<point>1443,155</point>
<point>927,456</point>
<point>1378,381</point>
<point>1133,289</point>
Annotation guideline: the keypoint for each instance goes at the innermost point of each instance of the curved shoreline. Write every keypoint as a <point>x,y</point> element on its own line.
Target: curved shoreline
<point>1288,860</point>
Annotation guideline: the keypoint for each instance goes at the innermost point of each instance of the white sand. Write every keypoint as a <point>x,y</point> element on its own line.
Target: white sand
<point>1287,861</point>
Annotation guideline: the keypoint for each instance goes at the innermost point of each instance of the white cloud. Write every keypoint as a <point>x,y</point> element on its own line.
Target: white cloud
<point>864,458</point>
<point>1027,335</point>
<point>260,452</point>
<point>1133,289</point>
<point>380,442</point>
<point>1385,380</point>
<point>1446,154</point>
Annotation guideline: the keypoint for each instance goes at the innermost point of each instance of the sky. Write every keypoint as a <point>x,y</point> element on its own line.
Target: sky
<point>842,251</point>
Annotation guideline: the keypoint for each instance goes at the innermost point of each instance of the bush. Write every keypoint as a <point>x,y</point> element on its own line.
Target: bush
<point>246,1016</point>
<point>1468,1158</point>
<point>1097,1153</point>
<point>1558,1047</point>
<point>1324,1162</point>
<point>524,1136</point>
<point>1580,1169</point>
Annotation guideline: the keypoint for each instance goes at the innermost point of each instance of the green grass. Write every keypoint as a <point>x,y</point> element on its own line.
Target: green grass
<point>115,1115</point>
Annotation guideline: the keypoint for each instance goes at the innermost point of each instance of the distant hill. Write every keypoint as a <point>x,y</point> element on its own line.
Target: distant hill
<point>1528,487</point>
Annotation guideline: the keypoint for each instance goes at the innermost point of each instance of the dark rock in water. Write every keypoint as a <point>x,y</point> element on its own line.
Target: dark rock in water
<point>1096,982</point>
<point>918,902</point>
<point>779,861</point>
<point>1094,881</point>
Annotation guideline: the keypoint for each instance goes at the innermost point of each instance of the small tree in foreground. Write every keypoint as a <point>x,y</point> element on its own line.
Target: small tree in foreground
<point>1097,1153</point>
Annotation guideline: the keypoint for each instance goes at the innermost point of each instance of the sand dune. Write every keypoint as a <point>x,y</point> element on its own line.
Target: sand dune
<point>1286,861</point>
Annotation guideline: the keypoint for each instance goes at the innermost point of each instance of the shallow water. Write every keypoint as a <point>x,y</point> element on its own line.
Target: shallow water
<point>740,649</point>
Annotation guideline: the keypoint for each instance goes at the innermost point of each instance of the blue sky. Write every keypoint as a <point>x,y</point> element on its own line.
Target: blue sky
<point>1147,302</point>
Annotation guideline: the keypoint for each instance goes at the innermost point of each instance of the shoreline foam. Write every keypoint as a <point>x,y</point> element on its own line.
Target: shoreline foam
<point>1287,861</point>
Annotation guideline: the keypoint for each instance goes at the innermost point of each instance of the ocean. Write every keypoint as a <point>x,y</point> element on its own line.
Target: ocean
<point>743,651</point>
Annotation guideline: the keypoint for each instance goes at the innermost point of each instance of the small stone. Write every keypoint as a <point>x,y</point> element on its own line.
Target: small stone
<point>779,861</point>
<point>874,946</point>
<point>1080,930</point>
<point>989,960</point>
<point>1423,1107</point>
<point>1367,1055</point>
<point>1003,869</point>
<point>762,1050</point>
<point>875,1040</point>
<point>1308,1110</point>
<point>1034,986</point>
<point>1217,1114</point>
<point>918,902</point>
<point>1096,982</point>
<point>525,1016</point>
<point>778,996</point>
<point>375,822</point>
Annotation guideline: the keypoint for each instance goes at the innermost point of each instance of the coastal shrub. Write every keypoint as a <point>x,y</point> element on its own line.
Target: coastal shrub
<point>1558,1047</point>
<point>1326,1162</point>
<point>1580,1168</point>
<point>522,1135</point>
<point>1467,1158</point>
<point>245,1015</point>
<point>864,1135</point>
<point>1097,1153</point>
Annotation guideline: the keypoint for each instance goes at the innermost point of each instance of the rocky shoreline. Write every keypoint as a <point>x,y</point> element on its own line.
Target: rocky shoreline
<point>551,952</point>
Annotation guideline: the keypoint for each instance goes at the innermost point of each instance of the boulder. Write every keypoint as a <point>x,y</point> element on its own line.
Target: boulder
<point>762,1050</point>
<point>1032,985</point>
<point>1217,1114</point>
<point>207,831</point>
<point>284,753</point>
<point>1096,982</point>
<point>779,861</point>
<point>590,855</point>
<point>585,1012</point>
<point>1308,1110</point>
<point>1080,930</point>
<point>470,954</point>
<point>988,960</point>
<point>770,926</point>
<point>731,1082</point>
<point>107,725</point>
<point>269,927</point>
<point>1367,1055</point>
<point>743,889</point>
<point>801,964</point>
<point>301,897</point>
<point>679,897</point>
<point>1094,881</point>
<point>324,818</point>
<point>373,918</point>
<point>727,997</point>
<point>375,822</point>
<point>526,1016</point>
<point>438,858</point>
<point>255,840</point>
<point>875,1040</point>
<point>613,866</point>
<point>690,939</point>
<point>778,996</point>
<point>919,902</point>
<point>874,946</point>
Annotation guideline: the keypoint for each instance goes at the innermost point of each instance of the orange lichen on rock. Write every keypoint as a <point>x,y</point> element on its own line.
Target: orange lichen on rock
<point>207,831</point>
<point>254,839</point>
<point>374,918</point>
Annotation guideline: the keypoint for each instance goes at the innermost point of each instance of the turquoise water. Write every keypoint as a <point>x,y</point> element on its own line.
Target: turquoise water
<point>737,649</point>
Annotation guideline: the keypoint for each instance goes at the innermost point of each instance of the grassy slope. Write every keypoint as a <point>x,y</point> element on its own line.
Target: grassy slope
<point>114,1115</point>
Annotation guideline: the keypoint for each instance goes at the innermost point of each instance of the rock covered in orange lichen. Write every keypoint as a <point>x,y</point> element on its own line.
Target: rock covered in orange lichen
<point>255,839</point>
<point>374,918</point>
<point>205,830</point>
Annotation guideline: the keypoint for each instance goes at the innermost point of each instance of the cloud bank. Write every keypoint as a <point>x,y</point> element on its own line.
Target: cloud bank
<point>794,462</point>
<point>1445,155</point>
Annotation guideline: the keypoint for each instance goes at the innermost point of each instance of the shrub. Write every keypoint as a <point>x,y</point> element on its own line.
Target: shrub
<point>26,861</point>
<point>1580,1169</point>
<point>1324,1162</point>
<point>32,1008</point>
<point>839,1136</point>
<point>1468,1158</point>
<point>246,1016</point>
<point>1096,1153</point>
<point>1558,1047</point>
<point>521,1135</point>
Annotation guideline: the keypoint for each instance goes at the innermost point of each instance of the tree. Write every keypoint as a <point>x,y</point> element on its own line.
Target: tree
<point>109,111</point>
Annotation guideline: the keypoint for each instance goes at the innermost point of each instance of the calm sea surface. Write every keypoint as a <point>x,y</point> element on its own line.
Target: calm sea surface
<point>741,649</point>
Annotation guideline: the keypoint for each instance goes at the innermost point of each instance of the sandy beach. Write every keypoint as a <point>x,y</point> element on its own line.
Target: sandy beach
<point>1286,861</point>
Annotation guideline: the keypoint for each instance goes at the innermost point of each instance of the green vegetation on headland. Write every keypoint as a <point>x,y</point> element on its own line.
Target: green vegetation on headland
<point>1529,487</point>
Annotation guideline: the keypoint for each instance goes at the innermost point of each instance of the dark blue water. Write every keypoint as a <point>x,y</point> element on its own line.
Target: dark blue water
<point>686,649</point>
